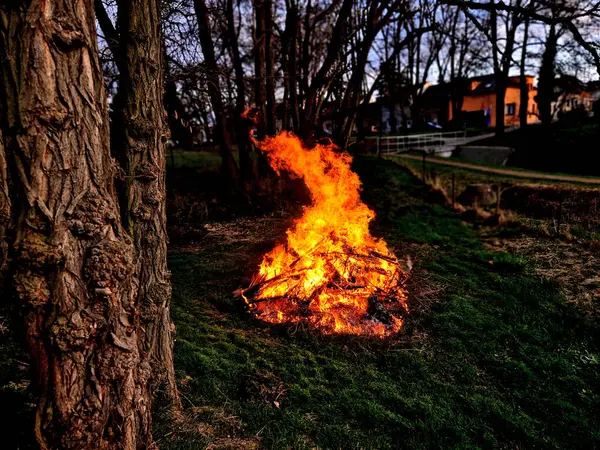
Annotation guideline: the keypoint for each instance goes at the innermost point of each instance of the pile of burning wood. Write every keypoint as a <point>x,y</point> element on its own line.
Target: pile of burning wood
<point>331,273</point>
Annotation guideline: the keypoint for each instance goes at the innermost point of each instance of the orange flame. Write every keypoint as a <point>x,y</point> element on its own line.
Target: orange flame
<point>331,272</point>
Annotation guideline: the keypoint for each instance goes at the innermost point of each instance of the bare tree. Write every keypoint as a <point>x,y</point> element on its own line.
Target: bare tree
<point>502,55</point>
<point>232,40</point>
<point>560,16</point>
<point>523,85</point>
<point>461,55</point>
<point>223,138</point>
<point>376,14</point>
<point>260,66</point>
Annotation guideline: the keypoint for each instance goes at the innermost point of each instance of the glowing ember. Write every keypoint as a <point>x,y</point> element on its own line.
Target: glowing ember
<point>331,273</point>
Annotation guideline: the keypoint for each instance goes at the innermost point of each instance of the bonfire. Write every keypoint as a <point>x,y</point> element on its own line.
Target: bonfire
<point>330,273</point>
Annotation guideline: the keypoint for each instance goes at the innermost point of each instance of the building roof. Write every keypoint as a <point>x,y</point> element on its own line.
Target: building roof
<point>487,85</point>
<point>435,95</point>
<point>569,84</point>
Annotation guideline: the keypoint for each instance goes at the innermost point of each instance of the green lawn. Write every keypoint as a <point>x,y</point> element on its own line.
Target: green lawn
<point>198,160</point>
<point>498,360</point>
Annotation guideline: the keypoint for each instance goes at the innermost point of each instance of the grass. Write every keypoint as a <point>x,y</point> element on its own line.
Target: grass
<point>197,160</point>
<point>475,175</point>
<point>202,160</point>
<point>500,360</point>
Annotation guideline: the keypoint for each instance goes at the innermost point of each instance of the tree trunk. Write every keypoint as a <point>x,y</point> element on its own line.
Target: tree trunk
<point>500,101</point>
<point>176,114</point>
<point>457,98</point>
<point>293,80</point>
<point>269,68</point>
<point>5,215</point>
<point>524,87</point>
<point>288,63</point>
<point>110,33</point>
<point>260,93</point>
<point>145,131</point>
<point>323,76</point>
<point>223,138</point>
<point>242,129</point>
<point>261,8</point>
<point>351,99</point>
<point>73,269</point>
<point>545,94</point>
<point>498,72</point>
<point>504,70</point>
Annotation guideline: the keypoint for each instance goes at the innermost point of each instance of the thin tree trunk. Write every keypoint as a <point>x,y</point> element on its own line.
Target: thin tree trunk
<point>352,96</point>
<point>323,76</point>
<point>498,73</point>
<point>223,138</point>
<point>176,114</point>
<point>524,87</point>
<point>500,101</point>
<point>111,35</point>
<point>73,270</point>
<point>269,68</point>
<point>260,93</point>
<point>504,69</point>
<point>293,81</point>
<point>241,131</point>
<point>143,153</point>
<point>545,94</point>
<point>263,170</point>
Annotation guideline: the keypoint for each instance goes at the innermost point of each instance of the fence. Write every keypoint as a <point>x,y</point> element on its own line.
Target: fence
<point>559,210</point>
<point>430,142</point>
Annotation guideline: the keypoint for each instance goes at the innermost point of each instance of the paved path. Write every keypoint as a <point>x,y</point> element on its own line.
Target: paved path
<point>471,139</point>
<point>508,172</point>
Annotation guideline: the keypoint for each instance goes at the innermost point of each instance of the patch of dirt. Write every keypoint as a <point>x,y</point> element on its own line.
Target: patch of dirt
<point>575,267</point>
<point>267,387</point>
<point>219,430</point>
<point>243,231</point>
<point>234,444</point>
<point>569,205</point>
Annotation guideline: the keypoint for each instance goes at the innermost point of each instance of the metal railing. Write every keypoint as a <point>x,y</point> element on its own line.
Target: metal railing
<point>429,142</point>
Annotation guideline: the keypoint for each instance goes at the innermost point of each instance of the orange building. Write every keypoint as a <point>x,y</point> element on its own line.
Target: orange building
<point>479,104</point>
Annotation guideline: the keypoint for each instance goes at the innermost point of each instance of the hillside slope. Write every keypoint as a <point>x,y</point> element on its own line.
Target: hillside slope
<point>491,356</point>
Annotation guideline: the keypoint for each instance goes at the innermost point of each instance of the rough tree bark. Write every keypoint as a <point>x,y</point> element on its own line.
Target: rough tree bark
<point>143,159</point>
<point>73,265</point>
<point>5,214</point>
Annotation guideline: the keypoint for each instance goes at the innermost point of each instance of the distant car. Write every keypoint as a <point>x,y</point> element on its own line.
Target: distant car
<point>433,125</point>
